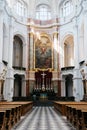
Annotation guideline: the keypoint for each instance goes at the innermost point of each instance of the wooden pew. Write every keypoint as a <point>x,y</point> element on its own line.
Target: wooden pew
<point>2,119</point>
<point>61,106</point>
<point>76,113</point>
<point>12,113</point>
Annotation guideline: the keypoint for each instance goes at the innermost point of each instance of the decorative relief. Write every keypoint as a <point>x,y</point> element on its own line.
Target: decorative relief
<point>3,74</point>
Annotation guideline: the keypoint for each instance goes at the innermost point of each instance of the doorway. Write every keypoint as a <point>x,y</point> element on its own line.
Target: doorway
<point>69,85</point>
<point>17,85</point>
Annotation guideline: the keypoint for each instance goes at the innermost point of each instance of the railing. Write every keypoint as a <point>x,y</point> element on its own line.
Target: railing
<point>19,68</point>
<point>67,68</point>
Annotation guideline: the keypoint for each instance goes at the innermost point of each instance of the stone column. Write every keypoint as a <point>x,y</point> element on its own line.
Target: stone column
<point>9,85</point>
<point>76,78</point>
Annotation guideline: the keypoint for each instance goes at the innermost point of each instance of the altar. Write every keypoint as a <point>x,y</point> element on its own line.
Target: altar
<point>43,96</point>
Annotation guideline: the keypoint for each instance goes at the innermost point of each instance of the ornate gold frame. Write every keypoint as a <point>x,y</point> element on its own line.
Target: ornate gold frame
<point>43,35</point>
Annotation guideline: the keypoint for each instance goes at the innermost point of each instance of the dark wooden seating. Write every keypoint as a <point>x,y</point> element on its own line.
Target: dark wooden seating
<point>76,113</point>
<point>11,112</point>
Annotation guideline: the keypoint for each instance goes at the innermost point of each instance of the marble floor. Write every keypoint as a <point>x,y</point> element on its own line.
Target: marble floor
<point>43,118</point>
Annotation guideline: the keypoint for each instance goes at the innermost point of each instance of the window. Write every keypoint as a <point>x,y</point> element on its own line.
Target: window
<point>20,8</point>
<point>43,12</point>
<point>67,8</point>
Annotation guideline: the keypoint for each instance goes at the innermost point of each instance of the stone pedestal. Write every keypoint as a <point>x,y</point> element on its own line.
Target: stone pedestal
<point>85,97</point>
<point>85,90</point>
<point>1,97</point>
<point>1,91</point>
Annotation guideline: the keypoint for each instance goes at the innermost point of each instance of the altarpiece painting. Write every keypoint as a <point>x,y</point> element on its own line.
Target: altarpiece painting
<point>43,53</point>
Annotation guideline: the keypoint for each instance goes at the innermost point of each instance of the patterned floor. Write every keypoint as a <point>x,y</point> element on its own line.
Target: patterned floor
<point>43,118</point>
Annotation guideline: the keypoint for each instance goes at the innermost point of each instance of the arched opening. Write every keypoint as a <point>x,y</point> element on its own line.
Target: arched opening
<point>17,85</point>
<point>17,52</point>
<point>69,85</point>
<point>69,52</point>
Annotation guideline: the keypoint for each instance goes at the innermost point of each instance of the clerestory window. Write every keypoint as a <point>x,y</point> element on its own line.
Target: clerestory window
<point>43,12</point>
<point>20,8</point>
<point>67,8</point>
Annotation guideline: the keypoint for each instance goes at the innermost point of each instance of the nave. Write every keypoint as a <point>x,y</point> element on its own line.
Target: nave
<point>43,118</point>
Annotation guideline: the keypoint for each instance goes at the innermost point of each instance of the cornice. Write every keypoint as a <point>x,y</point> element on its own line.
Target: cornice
<point>43,27</point>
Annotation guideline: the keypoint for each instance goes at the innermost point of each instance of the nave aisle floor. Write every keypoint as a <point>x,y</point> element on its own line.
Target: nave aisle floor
<point>43,118</point>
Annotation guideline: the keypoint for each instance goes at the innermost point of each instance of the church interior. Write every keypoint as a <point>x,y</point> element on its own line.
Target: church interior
<point>43,64</point>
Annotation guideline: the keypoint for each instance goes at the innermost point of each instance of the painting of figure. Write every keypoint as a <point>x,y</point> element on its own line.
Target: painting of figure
<point>43,53</point>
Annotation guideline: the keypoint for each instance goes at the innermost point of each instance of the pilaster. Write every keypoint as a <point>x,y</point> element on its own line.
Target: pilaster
<point>31,51</point>
<point>55,51</point>
<point>76,78</point>
<point>1,35</point>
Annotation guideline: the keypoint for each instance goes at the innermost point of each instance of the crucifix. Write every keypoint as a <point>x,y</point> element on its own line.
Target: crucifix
<point>43,85</point>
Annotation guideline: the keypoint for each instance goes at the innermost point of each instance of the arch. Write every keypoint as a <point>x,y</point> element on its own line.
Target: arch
<point>66,35</point>
<point>21,35</point>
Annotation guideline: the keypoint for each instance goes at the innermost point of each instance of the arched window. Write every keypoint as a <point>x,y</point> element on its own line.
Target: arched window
<point>67,8</point>
<point>20,8</point>
<point>43,12</point>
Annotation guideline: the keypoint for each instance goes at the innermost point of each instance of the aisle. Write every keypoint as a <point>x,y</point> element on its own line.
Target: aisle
<point>43,118</point>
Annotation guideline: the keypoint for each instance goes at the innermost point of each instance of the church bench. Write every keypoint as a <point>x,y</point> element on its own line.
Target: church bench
<point>84,120</point>
<point>76,113</point>
<point>14,110</point>
<point>7,118</point>
<point>25,106</point>
<point>2,119</point>
<point>10,116</point>
<point>81,123</point>
<point>61,106</point>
